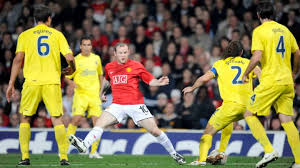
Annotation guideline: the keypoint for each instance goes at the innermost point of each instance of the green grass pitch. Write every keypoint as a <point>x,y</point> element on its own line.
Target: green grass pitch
<point>131,161</point>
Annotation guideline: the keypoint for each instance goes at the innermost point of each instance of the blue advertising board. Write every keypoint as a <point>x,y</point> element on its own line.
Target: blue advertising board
<point>136,142</point>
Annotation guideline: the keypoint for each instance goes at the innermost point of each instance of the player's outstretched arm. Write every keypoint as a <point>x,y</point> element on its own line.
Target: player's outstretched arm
<point>72,68</point>
<point>296,63</point>
<point>159,82</point>
<point>257,54</point>
<point>17,63</point>
<point>199,82</point>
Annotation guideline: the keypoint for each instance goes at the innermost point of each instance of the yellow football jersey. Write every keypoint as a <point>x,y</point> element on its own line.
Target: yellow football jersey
<point>229,75</point>
<point>276,43</point>
<point>42,46</point>
<point>86,76</point>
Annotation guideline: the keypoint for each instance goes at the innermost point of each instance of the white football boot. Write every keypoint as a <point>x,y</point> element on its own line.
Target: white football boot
<point>78,143</point>
<point>178,158</point>
<point>268,158</point>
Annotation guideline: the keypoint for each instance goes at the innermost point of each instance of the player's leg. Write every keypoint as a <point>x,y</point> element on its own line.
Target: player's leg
<point>60,136</point>
<point>261,102</point>
<point>211,129</point>
<point>31,96</point>
<point>112,115</point>
<point>79,106</point>
<point>206,141</point>
<point>150,125</point>
<point>292,135</point>
<point>258,131</point>
<point>218,156</point>
<point>24,138</point>
<point>73,126</point>
<point>225,136</point>
<point>106,119</point>
<point>94,153</point>
<point>94,112</point>
<point>224,115</point>
<point>142,117</point>
<point>284,106</point>
<point>52,98</point>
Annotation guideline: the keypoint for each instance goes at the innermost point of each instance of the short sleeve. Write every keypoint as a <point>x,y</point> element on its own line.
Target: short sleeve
<point>294,45</point>
<point>63,45</point>
<point>214,68</point>
<point>99,67</point>
<point>256,41</point>
<point>20,44</point>
<point>144,74</point>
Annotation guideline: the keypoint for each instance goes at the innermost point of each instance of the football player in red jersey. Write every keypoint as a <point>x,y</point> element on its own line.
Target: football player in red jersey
<point>124,75</point>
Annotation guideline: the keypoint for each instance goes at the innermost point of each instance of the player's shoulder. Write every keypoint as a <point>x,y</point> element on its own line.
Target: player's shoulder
<point>136,63</point>
<point>26,32</point>
<point>110,65</point>
<point>55,31</point>
<point>285,28</point>
<point>95,56</point>
<point>258,29</point>
<point>77,56</point>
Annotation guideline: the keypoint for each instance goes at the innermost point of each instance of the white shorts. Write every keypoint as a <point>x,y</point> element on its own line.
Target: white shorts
<point>137,112</point>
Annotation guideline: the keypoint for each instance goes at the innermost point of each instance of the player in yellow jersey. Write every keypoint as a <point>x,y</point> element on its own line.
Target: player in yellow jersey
<point>272,46</point>
<point>234,93</point>
<point>87,80</point>
<point>40,47</point>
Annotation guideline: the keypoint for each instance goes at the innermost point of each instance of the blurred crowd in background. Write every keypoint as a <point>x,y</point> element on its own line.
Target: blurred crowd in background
<point>180,39</point>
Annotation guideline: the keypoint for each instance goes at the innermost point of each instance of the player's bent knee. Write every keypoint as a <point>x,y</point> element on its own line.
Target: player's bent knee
<point>76,120</point>
<point>25,119</point>
<point>155,132</point>
<point>210,130</point>
<point>284,118</point>
<point>56,120</point>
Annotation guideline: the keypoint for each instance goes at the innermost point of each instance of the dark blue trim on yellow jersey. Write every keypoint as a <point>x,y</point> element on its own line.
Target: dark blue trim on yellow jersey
<point>214,71</point>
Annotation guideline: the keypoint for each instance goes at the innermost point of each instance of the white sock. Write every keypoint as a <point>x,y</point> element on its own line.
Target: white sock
<point>166,143</point>
<point>93,136</point>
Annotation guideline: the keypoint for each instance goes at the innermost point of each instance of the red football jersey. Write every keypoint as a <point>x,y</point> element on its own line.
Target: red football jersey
<point>124,80</point>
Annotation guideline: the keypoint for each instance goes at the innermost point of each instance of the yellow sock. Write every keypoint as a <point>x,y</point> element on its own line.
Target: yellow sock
<point>60,136</point>
<point>205,144</point>
<point>259,133</point>
<point>24,138</point>
<point>293,139</point>
<point>95,146</point>
<point>71,131</point>
<point>225,136</point>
